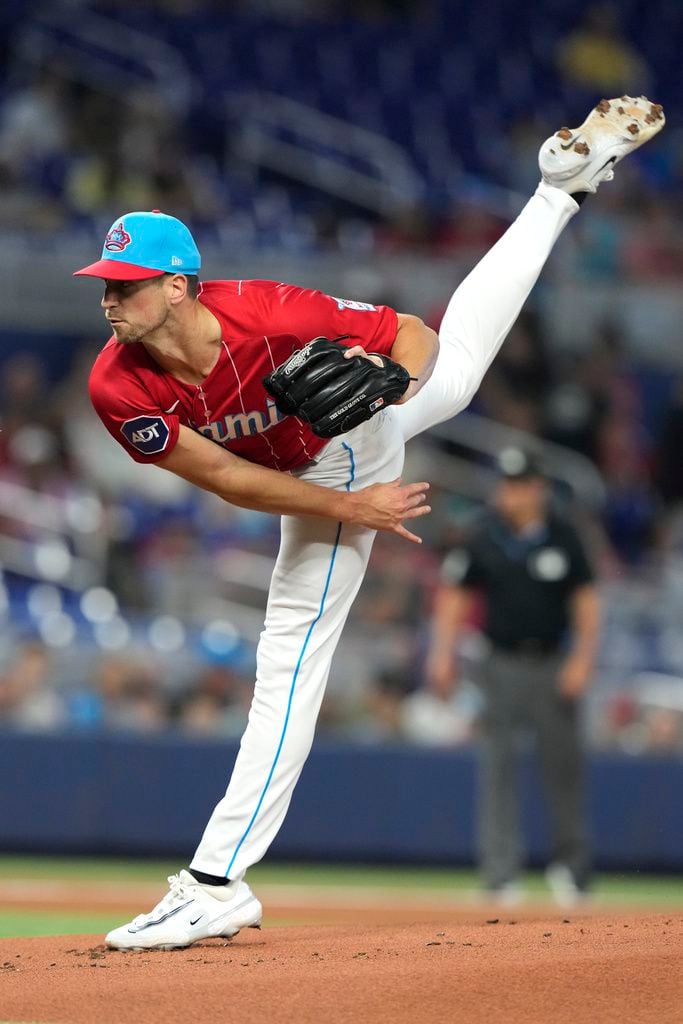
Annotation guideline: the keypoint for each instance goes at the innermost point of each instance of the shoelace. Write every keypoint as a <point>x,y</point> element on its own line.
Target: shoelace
<point>176,894</point>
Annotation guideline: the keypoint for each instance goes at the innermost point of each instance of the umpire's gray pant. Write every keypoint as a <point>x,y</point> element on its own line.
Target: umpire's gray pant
<point>521,695</point>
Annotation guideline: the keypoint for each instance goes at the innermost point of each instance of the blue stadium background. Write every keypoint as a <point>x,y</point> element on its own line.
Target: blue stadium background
<point>375,150</point>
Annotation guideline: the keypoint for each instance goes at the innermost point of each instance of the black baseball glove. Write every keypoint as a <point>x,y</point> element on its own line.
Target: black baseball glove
<point>333,394</point>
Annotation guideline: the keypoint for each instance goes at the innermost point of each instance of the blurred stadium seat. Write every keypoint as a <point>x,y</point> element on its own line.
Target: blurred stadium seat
<point>376,152</point>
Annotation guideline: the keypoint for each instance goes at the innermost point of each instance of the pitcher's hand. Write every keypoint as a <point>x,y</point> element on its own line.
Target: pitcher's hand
<point>386,506</point>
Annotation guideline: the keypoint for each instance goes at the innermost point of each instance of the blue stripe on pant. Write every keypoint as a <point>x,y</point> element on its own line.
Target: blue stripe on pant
<point>321,609</point>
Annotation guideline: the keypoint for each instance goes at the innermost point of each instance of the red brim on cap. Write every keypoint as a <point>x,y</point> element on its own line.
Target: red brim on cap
<point>117,270</point>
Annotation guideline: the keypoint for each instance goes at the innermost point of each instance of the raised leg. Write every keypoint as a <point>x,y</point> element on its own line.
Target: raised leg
<point>484,308</point>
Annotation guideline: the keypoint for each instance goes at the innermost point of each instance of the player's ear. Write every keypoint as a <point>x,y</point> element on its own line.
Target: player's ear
<point>177,287</point>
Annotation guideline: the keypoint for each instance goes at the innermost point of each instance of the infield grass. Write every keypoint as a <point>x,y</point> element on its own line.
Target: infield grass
<point>636,890</point>
<point>18,923</point>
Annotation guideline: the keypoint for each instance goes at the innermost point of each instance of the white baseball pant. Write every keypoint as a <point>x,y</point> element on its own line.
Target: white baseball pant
<point>320,565</point>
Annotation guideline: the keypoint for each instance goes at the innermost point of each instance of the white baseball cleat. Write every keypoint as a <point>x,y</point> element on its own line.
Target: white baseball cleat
<point>579,159</point>
<point>189,912</point>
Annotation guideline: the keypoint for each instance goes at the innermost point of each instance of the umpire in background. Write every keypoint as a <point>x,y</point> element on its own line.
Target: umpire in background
<point>542,617</point>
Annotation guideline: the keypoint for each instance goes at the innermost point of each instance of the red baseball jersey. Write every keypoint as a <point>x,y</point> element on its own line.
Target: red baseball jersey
<point>263,322</point>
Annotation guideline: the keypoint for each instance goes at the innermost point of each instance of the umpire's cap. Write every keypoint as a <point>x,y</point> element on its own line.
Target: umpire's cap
<point>145,244</point>
<point>518,464</point>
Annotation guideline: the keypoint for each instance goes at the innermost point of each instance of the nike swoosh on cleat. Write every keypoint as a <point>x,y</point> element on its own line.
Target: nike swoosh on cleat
<point>569,144</point>
<point>150,924</point>
<point>196,919</point>
<point>172,407</point>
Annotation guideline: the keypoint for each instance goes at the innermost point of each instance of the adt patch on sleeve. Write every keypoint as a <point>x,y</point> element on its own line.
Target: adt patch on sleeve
<point>147,434</point>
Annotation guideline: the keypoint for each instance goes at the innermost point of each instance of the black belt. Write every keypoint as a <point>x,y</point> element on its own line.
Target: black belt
<point>529,645</point>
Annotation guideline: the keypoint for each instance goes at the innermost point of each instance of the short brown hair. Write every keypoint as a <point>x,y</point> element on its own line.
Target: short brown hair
<point>192,284</point>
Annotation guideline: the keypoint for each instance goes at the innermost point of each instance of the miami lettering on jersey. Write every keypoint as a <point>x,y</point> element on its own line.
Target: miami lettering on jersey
<point>243,424</point>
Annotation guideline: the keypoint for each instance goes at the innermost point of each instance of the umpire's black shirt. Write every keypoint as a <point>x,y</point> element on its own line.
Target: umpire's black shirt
<point>527,580</point>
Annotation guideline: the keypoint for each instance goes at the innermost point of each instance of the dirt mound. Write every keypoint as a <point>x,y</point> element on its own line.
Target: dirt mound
<point>607,969</point>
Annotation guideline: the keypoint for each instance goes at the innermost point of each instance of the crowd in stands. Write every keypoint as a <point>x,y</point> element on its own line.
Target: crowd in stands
<point>137,655</point>
<point>118,692</point>
<point>467,115</point>
<point>130,653</point>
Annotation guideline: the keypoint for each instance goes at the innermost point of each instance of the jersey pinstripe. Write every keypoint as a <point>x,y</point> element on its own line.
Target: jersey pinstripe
<point>262,323</point>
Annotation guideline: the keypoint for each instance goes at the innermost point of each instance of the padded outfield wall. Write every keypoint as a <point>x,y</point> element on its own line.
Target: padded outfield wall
<point>127,795</point>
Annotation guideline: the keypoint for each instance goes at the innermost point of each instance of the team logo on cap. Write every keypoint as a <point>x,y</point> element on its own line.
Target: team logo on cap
<point>117,239</point>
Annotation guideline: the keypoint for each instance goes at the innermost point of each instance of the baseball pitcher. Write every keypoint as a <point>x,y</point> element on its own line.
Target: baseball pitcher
<point>290,401</point>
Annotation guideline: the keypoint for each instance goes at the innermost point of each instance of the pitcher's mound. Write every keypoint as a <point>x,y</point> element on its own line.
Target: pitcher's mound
<point>554,969</point>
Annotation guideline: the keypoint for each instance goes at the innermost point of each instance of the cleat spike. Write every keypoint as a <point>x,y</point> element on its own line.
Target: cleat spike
<point>612,130</point>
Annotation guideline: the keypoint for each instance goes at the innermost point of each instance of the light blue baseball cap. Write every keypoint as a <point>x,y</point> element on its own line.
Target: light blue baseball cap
<point>145,244</point>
